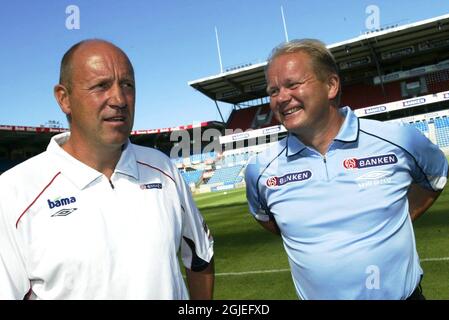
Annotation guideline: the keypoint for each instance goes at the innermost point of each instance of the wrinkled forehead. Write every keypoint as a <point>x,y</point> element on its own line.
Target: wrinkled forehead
<point>102,57</point>
<point>117,63</point>
<point>298,63</point>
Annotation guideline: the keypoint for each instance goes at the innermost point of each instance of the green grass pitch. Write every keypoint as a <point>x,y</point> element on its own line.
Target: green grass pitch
<point>250,263</point>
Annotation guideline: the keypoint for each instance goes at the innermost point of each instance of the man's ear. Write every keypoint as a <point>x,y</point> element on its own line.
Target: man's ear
<point>334,86</point>
<point>62,97</point>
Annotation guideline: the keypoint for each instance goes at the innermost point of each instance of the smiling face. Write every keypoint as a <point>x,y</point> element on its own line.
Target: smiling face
<point>299,98</point>
<point>101,97</point>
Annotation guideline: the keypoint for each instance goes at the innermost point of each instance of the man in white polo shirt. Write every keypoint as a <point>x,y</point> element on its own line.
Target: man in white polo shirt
<point>94,216</point>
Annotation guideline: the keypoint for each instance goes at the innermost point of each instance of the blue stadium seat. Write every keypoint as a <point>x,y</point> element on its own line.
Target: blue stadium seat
<point>421,126</point>
<point>192,176</point>
<point>228,175</point>
<point>442,131</point>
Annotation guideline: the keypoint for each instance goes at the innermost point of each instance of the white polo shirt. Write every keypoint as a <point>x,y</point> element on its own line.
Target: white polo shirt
<point>67,232</point>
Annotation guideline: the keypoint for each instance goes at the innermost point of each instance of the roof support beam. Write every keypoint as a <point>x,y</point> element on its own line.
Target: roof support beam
<point>219,111</point>
<point>379,72</point>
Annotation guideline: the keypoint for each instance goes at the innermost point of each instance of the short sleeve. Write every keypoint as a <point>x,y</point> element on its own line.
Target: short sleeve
<point>197,242</point>
<point>431,167</point>
<point>256,204</point>
<point>14,283</point>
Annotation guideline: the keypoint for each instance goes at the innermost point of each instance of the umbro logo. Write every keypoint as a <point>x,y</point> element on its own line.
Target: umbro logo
<point>63,212</point>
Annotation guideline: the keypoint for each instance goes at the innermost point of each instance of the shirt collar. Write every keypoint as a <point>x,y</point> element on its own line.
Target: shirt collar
<point>81,174</point>
<point>348,132</point>
<point>127,163</point>
<point>294,145</point>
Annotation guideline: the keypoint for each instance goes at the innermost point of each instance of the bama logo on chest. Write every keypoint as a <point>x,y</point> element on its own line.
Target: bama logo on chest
<point>275,181</point>
<point>60,202</point>
<point>354,163</point>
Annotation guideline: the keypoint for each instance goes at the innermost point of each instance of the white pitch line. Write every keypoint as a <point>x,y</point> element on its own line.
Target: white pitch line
<point>251,272</point>
<point>285,270</point>
<point>435,259</point>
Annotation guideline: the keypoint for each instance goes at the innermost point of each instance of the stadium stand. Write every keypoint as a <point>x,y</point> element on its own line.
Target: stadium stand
<point>233,159</point>
<point>362,95</point>
<point>203,157</point>
<point>400,74</point>
<point>241,119</point>
<point>442,131</point>
<point>251,118</point>
<point>422,126</point>
<point>192,177</point>
<point>437,81</point>
<point>227,175</point>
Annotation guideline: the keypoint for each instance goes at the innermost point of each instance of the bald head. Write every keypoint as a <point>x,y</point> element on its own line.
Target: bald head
<point>90,46</point>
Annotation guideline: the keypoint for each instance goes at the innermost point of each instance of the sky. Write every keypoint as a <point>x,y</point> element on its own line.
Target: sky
<point>169,42</point>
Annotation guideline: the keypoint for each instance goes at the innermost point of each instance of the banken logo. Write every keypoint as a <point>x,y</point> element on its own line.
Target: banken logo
<point>275,181</point>
<point>354,163</point>
<point>60,202</point>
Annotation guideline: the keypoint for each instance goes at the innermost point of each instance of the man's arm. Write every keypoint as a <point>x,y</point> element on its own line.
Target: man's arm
<point>271,226</point>
<point>420,199</point>
<point>201,283</point>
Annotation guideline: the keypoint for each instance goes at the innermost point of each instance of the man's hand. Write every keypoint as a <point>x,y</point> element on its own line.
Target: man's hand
<point>271,226</point>
<point>420,199</point>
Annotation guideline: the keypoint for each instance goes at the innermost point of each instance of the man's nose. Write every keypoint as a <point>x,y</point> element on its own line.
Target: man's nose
<point>117,97</point>
<point>283,95</point>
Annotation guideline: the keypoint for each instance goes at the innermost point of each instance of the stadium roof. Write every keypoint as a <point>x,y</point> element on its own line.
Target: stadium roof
<point>21,136</point>
<point>372,48</point>
<point>187,127</point>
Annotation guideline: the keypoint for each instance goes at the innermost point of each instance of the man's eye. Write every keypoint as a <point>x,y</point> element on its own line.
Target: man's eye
<point>102,85</point>
<point>128,85</point>
<point>273,93</point>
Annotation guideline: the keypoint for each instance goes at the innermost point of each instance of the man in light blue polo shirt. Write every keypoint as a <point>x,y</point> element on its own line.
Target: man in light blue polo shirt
<point>341,191</point>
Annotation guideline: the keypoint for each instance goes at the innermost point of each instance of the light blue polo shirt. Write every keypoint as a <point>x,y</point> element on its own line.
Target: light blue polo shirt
<point>344,216</point>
